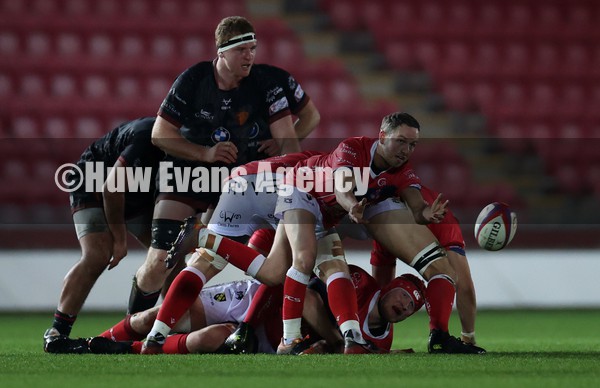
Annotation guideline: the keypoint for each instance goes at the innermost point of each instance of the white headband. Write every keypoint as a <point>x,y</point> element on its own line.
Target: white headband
<point>236,41</point>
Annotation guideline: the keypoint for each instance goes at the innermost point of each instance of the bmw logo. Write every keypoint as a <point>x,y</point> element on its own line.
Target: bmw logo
<point>220,134</point>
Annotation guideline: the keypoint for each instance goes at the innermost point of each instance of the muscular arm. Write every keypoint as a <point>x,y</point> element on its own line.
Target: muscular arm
<point>346,198</point>
<point>422,212</point>
<point>114,210</point>
<point>317,316</point>
<point>283,132</point>
<point>308,119</point>
<point>167,137</point>
<point>466,302</point>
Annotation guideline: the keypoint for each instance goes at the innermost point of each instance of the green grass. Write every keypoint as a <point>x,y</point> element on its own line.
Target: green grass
<point>525,349</point>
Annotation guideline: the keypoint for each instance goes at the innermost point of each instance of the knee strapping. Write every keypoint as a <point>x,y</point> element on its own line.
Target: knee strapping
<point>329,248</point>
<point>211,257</point>
<point>209,240</point>
<point>428,255</point>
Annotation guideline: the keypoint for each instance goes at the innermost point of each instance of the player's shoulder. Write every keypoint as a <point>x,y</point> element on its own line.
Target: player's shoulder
<point>140,128</point>
<point>266,69</point>
<point>359,141</point>
<point>199,70</point>
<point>358,145</point>
<point>268,76</point>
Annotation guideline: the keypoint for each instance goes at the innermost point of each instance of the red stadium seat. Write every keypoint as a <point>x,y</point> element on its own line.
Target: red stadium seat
<point>25,127</point>
<point>57,127</point>
<point>344,15</point>
<point>10,44</point>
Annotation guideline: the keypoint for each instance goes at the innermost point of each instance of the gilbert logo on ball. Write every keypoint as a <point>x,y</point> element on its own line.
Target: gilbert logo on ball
<point>495,226</point>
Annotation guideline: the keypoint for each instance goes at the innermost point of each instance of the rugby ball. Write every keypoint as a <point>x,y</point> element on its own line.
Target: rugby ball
<point>495,226</point>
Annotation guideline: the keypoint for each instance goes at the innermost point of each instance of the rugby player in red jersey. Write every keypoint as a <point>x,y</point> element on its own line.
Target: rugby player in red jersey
<point>385,175</point>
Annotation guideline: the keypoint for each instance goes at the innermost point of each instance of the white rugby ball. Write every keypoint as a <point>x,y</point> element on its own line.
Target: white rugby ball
<point>495,227</point>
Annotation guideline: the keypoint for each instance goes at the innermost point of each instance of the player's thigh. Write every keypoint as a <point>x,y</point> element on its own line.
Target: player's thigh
<point>94,235</point>
<point>279,260</point>
<point>241,215</point>
<point>397,231</point>
<point>300,228</point>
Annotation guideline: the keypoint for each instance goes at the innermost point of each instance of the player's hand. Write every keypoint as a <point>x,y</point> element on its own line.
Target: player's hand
<point>437,211</point>
<point>224,151</point>
<point>119,252</point>
<point>270,147</point>
<point>357,211</point>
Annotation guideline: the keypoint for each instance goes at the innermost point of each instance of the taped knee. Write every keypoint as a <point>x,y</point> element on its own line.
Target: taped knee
<point>212,258</point>
<point>329,248</point>
<point>423,259</point>
<point>164,233</point>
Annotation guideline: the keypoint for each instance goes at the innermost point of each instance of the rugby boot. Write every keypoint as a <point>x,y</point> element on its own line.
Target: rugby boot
<point>443,342</point>
<point>66,345</point>
<point>103,345</point>
<point>242,340</point>
<point>153,345</point>
<point>319,347</point>
<point>353,347</point>
<point>298,346</point>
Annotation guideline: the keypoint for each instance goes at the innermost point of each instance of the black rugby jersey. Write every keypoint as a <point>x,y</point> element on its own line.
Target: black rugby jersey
<point>294,93</point>
<point>207,115</point>
<point>131,143</point>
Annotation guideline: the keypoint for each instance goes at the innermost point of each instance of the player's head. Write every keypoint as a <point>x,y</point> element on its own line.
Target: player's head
<point>398,137</point>
<point>235,38</point>
<point>401,298</point>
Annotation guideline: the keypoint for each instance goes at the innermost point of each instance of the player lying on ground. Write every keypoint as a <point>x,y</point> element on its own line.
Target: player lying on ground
<point>218,309</point>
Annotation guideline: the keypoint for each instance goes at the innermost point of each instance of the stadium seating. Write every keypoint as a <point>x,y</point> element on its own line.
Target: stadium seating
<point>70,70</point>
<point>524,64</point>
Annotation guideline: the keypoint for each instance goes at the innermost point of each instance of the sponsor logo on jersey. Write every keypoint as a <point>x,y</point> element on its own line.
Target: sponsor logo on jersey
<point>242,117</point>
<point>220,134</point>
<point>220,297</point>
<point>205,115</point>
<point>226,105</point>
<point>239,295</point>
<point>291,82</point>
<point>273,93</point>
<point>228,216</point>
<point>298,93</point>
<point>254,131</point>
<point>278,106</point>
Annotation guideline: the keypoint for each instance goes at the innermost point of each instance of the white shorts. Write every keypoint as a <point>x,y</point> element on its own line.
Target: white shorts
<point>229,302</point>
<point>244,208</point>
<point>300,200</point>
<point>347,228</point>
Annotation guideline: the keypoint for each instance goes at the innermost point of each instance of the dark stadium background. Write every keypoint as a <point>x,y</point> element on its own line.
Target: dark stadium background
<point>507,93</point>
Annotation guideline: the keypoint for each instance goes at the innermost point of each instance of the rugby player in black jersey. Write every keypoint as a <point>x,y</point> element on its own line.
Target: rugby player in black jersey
<point>220,113</point>
<point>102,216</point>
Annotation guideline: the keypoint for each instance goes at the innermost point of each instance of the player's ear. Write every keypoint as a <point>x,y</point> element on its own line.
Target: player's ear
<point>381,136</point>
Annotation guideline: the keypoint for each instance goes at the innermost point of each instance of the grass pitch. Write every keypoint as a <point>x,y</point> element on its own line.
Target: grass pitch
<point>525,349</point>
